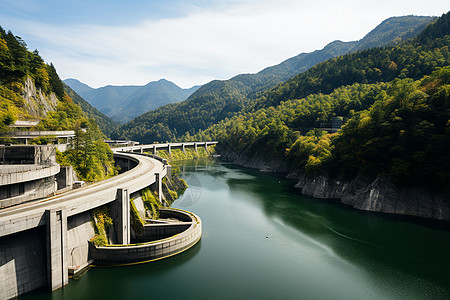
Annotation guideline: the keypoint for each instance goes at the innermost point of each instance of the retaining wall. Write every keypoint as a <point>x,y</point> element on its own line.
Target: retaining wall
<point>126,254</point>
<point>79,232</point>
<point>23,265</point>
<point>155,232</point>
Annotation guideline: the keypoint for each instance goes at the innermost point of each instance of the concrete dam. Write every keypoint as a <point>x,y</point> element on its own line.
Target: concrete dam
<point>42,240</point>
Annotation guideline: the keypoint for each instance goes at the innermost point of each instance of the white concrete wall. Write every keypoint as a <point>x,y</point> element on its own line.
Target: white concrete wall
<point>23,173</point>
<point>22,263</point>
<point>80,231</point>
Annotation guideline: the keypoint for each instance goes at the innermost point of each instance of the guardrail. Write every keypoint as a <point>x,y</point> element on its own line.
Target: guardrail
<point>41,133</point>
<point>23,168</point>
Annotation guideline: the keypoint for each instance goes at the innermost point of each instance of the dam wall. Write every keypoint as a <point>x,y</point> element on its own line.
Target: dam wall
<point>23,262</point>
<point>79,233</point>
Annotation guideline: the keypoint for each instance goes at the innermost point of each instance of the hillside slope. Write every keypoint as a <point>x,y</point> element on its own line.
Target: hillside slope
<point>218,100</point>
<point>106,124</point>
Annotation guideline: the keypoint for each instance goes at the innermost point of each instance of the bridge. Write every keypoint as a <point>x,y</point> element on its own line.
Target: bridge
<point>167,146</point>
<point>40,239</point>
<point>26,136</point>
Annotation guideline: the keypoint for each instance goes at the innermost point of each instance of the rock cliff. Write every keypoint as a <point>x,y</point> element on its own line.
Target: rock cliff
<point>378,195</point>
<point>37,103</point>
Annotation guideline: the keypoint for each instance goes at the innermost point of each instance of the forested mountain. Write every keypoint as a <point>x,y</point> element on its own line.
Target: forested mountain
<point>395,102</point>
<point>32,89</point>
<point>218,100</point>
<point>106,124</point>
<point>413,58</point>
<point>390,32</point>
<point>123,103</point>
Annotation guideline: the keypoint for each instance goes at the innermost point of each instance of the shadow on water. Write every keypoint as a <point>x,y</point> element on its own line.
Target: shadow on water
<point>120,282</point>
<point>383,245</point>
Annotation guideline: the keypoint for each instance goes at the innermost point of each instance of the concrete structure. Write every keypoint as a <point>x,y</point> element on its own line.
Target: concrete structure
<point>59,227</point>
<point>121,143</point>
<point>55,213</point>
<point>64,178</point>
<point>56,236</point>
<point>29,175</point>
<point>25,136</point>
<point>24,124</point>
<point>165,146</point>
<point>182,236</point>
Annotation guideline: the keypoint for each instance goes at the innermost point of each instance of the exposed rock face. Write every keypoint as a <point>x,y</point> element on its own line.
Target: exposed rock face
<point>257,161</point>
<point>379,195</point>
<point>36,103</point>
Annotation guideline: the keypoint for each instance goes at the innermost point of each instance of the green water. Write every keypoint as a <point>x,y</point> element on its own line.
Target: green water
<point>262,240</point>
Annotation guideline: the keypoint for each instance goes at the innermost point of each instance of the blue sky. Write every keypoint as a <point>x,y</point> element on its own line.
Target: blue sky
<point>189,42</point>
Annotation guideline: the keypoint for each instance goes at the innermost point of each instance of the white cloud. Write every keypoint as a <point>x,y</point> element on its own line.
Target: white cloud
<point>207,43</point>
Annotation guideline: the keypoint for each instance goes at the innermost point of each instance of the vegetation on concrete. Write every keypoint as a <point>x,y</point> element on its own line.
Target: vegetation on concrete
<point>151,203</point>
<point>170,194</point>
<point>101,222</point>
<point>136,221</point>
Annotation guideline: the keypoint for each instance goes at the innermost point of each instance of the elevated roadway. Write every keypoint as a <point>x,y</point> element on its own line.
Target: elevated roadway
<point>34,236</point>
<point>29,215</point>
<point>165,146</point>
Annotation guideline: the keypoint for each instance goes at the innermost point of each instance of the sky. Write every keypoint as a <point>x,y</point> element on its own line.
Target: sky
<point>189,42</point>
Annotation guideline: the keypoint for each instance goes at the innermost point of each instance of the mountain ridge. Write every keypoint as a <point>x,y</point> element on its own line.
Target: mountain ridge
<point>220,99</point>
<point>122,103</point>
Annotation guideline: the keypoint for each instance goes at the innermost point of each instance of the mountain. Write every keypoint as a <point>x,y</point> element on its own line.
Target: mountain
<point>220,99</point>
<point>77,86</point>
<point>391,154</point>
<point>367,66</point>
<point>106,124</point>
<point>390,32</point>
<point>123,103</point>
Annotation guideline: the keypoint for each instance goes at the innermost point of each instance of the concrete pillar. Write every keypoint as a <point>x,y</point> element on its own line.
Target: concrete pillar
<point>142,150</point>
<point>206,147</point>
<point>122,216</point>
<point>57,252</point>
<point>154,150</point>
<point>159,186</point>
<point>184,149</point>
<point>170,148</point>
<point>195,147</point>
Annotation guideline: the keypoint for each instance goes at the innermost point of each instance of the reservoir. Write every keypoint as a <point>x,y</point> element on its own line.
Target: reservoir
<point>263,240</point>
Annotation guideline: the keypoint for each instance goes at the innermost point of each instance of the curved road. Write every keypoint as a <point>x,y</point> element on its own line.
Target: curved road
<point>32,214</point>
